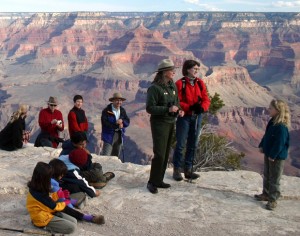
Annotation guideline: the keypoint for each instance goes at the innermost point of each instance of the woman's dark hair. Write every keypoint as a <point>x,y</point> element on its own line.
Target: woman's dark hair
<point>77,97</point>
<point>159,78</point>
<point>59,168</point>
<point>188,64</point>
<point>40,180</point>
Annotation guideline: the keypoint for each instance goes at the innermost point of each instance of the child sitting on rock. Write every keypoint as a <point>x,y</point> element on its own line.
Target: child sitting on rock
<point>73,180</point>
<point>43,208</point>
<point>59,170</point>
<point>91,171</point>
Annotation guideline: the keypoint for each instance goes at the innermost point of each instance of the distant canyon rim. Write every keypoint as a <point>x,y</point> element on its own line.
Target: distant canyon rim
<point>247,58</point>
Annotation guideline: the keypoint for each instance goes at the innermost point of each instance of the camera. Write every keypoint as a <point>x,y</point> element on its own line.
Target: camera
<point>59,122</point>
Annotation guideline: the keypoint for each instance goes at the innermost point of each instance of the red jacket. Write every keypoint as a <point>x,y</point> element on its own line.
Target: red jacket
<point>192,95</point>
<point>77,121</point>
<point>45,118</point>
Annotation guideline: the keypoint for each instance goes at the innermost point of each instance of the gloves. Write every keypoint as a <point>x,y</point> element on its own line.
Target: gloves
<point>197,108</point>
<point>66,193</point>
<point>60,193</point>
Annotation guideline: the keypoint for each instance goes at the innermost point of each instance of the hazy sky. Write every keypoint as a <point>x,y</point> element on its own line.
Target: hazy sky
<point>149,5</point>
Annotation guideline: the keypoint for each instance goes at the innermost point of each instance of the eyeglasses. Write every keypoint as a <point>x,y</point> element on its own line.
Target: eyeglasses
<point>52,105</point>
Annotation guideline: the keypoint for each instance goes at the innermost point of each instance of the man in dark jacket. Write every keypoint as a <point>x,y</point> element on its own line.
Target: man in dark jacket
<point>114,120</point>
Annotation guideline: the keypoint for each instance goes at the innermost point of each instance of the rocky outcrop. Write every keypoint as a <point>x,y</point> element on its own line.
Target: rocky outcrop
<point>223,200</point>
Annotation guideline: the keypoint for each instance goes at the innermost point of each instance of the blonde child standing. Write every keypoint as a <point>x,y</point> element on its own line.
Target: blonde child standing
<point>274,145</point>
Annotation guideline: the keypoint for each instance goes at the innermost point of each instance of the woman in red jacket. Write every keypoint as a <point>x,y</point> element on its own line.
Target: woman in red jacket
<point>194,101</point>
<point>76,118</point>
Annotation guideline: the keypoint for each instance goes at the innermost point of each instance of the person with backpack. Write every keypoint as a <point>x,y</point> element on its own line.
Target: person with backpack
<point>194,101</point>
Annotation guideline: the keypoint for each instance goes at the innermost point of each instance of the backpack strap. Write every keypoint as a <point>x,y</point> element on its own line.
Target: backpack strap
<point>183,86</point>
<point>184,82</point>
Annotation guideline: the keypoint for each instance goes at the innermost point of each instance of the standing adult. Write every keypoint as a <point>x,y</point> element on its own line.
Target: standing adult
<point>114,121</point>
<point>12,136</point>
<point>76,117</point>
<point>163,106</point>
<point>194,101</point>
<point>51,123</point>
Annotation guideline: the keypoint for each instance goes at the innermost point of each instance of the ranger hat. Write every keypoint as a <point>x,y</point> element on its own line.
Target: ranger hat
<point>166,64</point>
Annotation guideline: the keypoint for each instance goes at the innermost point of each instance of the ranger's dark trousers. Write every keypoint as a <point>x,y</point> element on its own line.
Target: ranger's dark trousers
<point>162,133</point>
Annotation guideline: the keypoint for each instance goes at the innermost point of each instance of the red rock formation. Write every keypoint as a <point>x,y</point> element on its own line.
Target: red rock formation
<point>98,53</point>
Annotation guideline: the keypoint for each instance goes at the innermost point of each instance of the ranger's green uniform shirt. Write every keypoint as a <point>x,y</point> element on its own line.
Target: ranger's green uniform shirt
<point>159,98</point>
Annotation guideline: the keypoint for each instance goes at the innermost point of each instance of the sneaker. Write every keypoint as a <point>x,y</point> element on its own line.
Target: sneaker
<point>271,205</point>
<point>98,185</point>
<point>98,219</point>
<point>152,188</point>
<point>261,197</point>
<point>163,185</point>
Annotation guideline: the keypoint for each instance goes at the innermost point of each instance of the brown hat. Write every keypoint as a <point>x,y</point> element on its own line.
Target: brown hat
<point>165,64</point>
<point>78,157</point>
<point>117,96</point>
<point>52,100</point>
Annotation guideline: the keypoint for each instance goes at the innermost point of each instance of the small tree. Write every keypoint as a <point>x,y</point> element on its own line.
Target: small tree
<point>214,151</point>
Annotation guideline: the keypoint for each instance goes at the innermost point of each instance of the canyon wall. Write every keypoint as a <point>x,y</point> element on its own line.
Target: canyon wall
<point>248,58</point>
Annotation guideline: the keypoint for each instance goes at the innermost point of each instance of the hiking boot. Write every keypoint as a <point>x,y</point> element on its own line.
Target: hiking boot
<point>98,219</point>
<point>98,185</point>
<point>189,174</point>
<point>152,188</point>
<point>177,174</point>
<point>271,205</point>
<point>163,185</point>
<point>261,197</point>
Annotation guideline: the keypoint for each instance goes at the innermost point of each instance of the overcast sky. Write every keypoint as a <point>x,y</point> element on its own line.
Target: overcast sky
<point>149,5</point>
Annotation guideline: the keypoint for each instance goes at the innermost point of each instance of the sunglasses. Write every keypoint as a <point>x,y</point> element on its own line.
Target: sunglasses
<point>52,105</point>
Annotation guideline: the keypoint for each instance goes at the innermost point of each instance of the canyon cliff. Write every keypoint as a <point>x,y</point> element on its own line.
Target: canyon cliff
<point>248,58</point>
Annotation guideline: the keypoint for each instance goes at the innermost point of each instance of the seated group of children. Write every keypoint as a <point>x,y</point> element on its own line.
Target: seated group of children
<point>56,188</point>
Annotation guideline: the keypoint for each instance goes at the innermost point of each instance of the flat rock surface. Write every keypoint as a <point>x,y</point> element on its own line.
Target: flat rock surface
<point>219,203</point>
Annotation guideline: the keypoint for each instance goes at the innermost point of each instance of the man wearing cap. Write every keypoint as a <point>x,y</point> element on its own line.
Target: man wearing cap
<point>114,120</point>
<point>163,106</point>
<point>76,118</point>
<point>51,122</point>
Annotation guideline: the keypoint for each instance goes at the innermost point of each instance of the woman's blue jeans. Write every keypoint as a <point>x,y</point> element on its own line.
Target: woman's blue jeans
<point>187,135</point>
